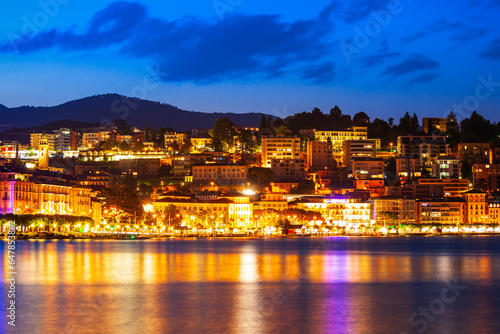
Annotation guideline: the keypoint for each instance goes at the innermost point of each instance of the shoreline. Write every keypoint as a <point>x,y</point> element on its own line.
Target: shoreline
<point>83,236</point>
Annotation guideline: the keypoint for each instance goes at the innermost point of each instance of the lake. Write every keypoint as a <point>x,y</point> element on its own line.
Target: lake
<point>275,285</point>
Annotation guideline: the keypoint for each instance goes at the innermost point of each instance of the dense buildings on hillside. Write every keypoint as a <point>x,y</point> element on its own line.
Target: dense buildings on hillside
<point>232,175</point>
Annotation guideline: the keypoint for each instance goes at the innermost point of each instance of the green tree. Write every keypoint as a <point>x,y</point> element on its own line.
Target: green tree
<point>124,146</point>
<point>187,146</point>
<point>223,134</point>
<point>165,171</point>
<point>139,146</point>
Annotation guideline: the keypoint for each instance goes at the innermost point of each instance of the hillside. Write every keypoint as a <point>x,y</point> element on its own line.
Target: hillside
<point>102,109</point>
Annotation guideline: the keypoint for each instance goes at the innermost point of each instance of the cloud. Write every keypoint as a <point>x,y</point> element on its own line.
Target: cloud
<point>320,74</point>
<point>492,52</point>
<point>412,64</point>
<point>426,77</point>
<point>196,50</point>
<point>356,10</point>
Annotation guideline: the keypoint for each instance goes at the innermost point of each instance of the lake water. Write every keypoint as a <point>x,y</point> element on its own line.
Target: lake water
<point>279,285</point>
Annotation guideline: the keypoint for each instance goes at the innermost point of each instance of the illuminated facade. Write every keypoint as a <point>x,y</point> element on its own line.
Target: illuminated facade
<point>338,137</point>
<point>279,148</point>
<point>440,211</point>
<point>447,168</point>
<point>427,148</point>
<point>20,196</point>
<point>220,173</point>
<point>352,149</point>
<point>235,211</point>
<point>393,210</point>
<point>319,155</point>
<point>476,208</point>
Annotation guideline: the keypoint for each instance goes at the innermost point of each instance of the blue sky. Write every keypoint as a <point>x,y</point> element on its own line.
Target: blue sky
<point>278,57</point>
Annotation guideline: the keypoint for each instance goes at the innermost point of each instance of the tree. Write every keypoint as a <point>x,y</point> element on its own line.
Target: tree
<point>130,181</point>
<point>405,124</point>
<point>165,171</point>
<point>173,146</point>
<point>361,119</point>
<point>139,146</point>
<point>223,135</point>
<point>263,175</point>
<point>414,124</point>
<point>466,170</point>
<point>187,146</point>
<point>124,146</point>
<point>105,145</point>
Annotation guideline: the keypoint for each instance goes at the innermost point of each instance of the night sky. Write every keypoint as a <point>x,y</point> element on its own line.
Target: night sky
<point>277,57</point>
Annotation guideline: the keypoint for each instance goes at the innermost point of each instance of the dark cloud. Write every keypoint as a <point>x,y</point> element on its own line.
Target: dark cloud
<point>492,52</point>
<point>379,58</point>
<point>412,64</point>
<point>426,77</point>
<point>320,74</point>
<point>356,10</point>
<point>191,49</point>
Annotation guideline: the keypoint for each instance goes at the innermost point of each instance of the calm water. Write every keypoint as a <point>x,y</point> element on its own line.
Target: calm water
<point>329,285</point>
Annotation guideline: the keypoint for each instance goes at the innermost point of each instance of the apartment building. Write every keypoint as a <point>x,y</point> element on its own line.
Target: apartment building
<point>352,149</point>
<point>449,211</point>
<point>431,123</point>
<point>427,148</point>
<point>279,148</point>
<point>368,168</point>
<point>288,169</point>
<point>390,210</point>
<point>338,137</point>
<point>447,167</point>
<point>475,153</point>
<point>319,155</point>
<point>488,172</point>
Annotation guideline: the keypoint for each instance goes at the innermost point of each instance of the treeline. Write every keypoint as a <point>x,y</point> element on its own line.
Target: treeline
<point>476,128</point>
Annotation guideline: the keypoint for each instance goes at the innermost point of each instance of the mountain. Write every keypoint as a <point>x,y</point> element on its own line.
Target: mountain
<point>102,109</point>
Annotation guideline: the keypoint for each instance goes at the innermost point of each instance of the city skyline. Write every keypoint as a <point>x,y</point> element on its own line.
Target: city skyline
<point>383,58</point>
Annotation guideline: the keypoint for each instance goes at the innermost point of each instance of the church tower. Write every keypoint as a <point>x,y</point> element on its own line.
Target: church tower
<point>43,152</point>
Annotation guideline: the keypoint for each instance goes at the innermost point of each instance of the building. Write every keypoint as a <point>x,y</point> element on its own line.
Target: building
<point>474,153</point>
<point>36,137</point>
<point>343,210</point>
<point>427,148</point>
<point>200,143</point>
<point>430,188</point>
<point>431,123</point>
<point>174,137</point>
<point>408,167</point>
<point>279,148</point>
<point>319,155</point>
<point>447,167</point>
<point>450,211</point>
<point>376,187</point>
<point>357,149</point>
<point>142,168</point>
<point>272,201</point>
<point>62,139</point>
<point>90,139</point>
<point>220,174</point>
<point>228,210</point>
<point>368,168</point>
<point>393,210</point>
<point>288,169</point>
<point>43,153</point>
<point>182,164</point>
<point>476,208</point>
<point>494,212</point>
<point>338,137</point>
<point>20,195</point>
<point>489,173</point>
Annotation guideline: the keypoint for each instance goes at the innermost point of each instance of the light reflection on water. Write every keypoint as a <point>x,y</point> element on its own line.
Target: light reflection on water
<point>348,285</point>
